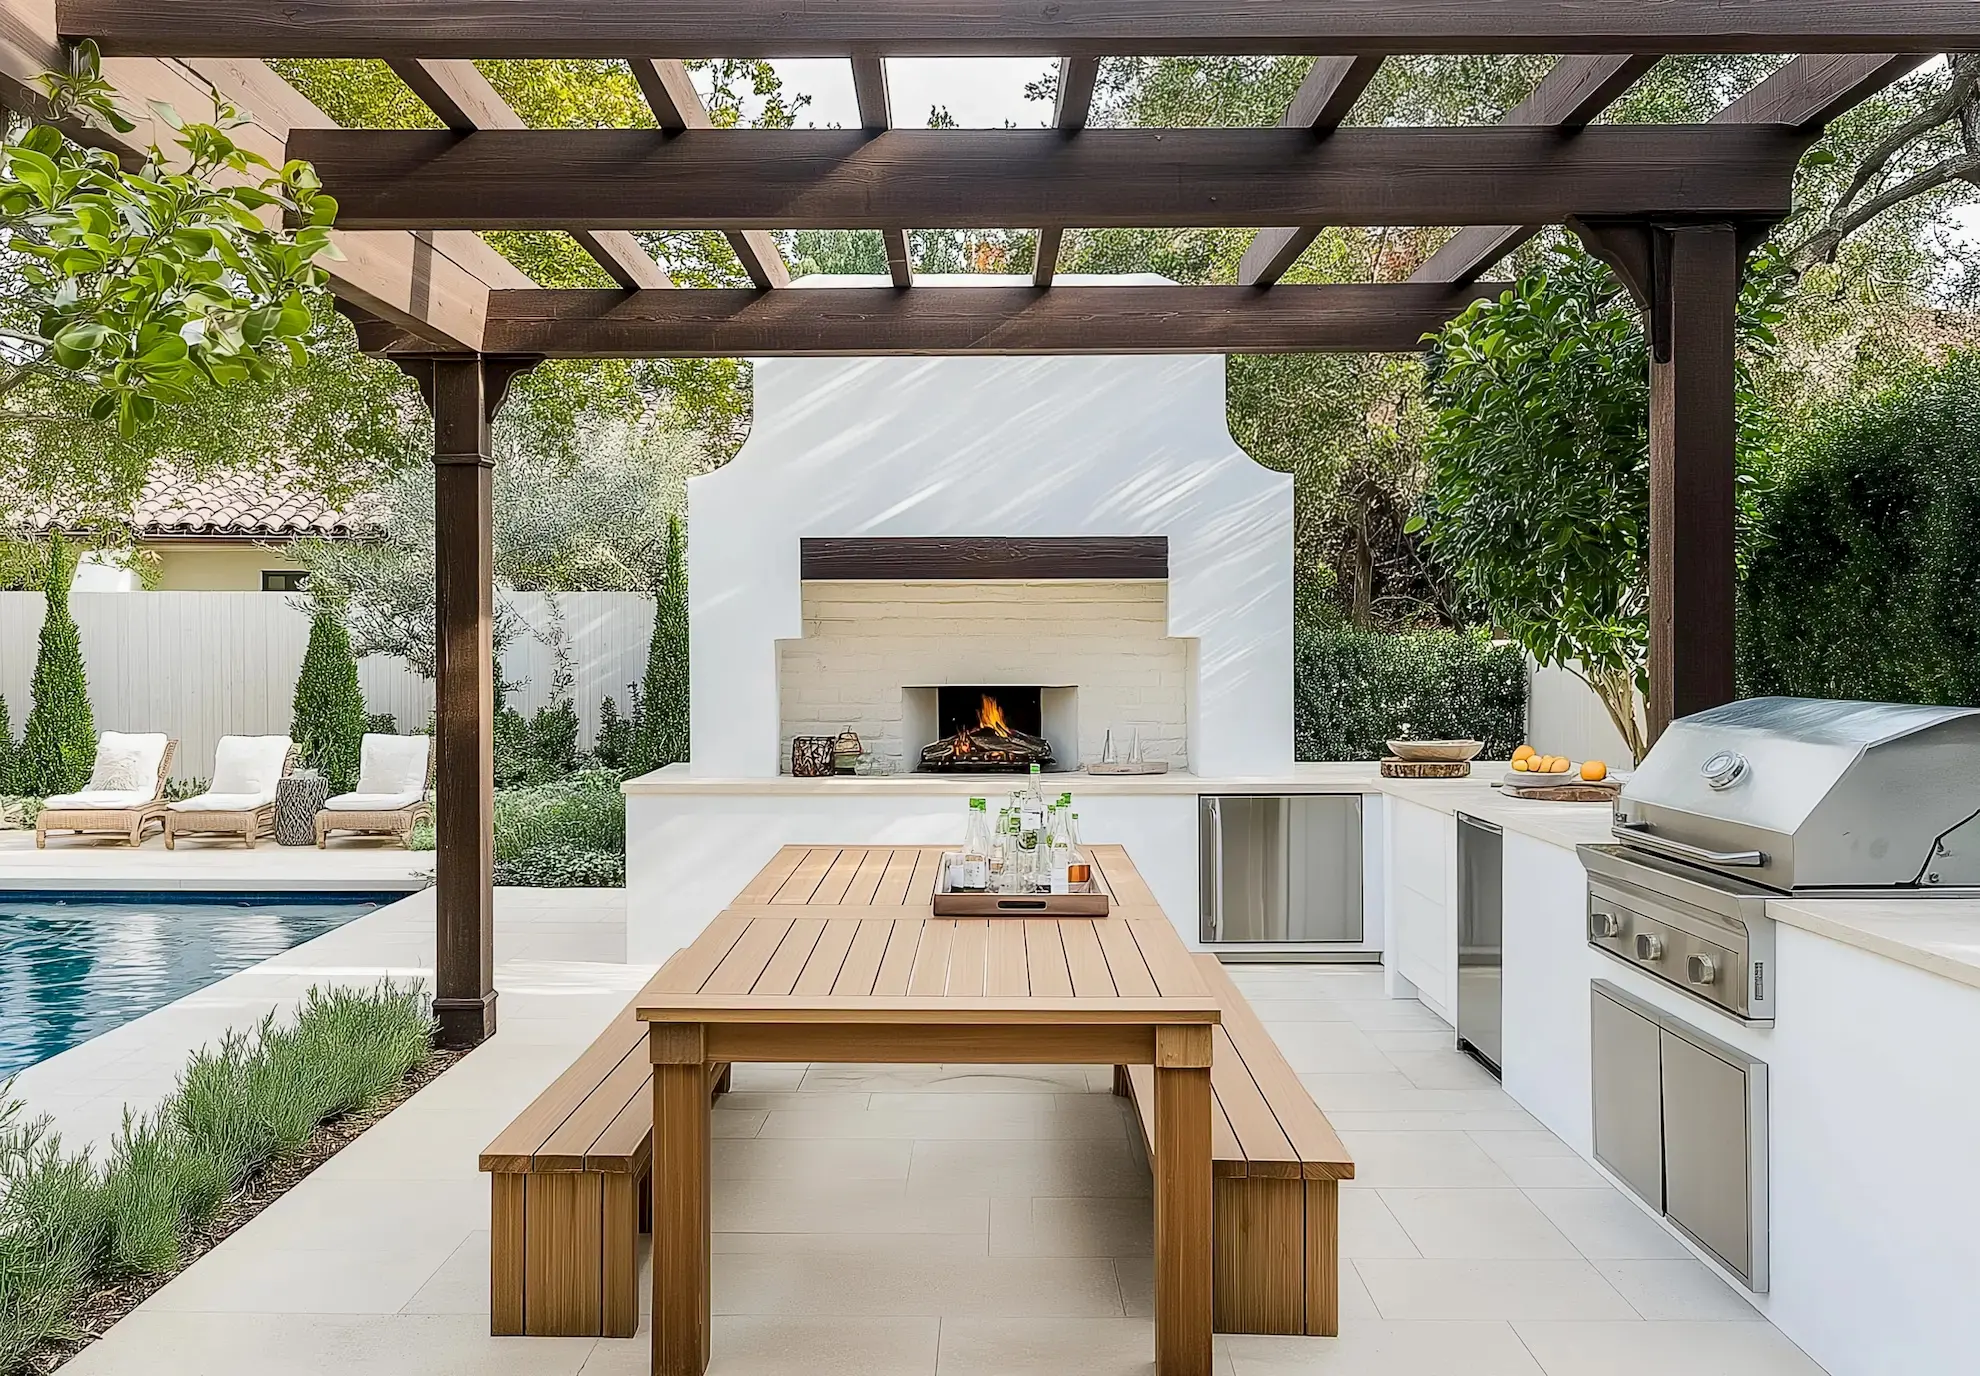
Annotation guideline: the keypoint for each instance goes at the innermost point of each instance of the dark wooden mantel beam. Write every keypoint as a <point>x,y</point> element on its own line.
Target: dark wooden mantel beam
<point>942,178</point>
<point>857,321</point>
<point>965,28</point>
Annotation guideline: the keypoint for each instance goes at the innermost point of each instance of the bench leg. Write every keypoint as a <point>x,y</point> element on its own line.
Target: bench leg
<point>562,1255</point>
<point>505,1273</point>
<point>680,1202</point>
<point>1123,1087</point>
<point>619,1251</point>
<point>646,1202</point>
<point>1323,1258</point>
<point>1261,1255</point>
<point>723,1075</point>
<point>1182,1201</point>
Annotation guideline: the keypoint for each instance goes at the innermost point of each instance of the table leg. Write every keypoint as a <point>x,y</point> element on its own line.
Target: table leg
<point>1182,1201</point>
<point>680,1202</point>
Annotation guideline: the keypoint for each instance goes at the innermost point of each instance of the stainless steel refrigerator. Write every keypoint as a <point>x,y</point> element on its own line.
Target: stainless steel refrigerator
<point>1283,870</point>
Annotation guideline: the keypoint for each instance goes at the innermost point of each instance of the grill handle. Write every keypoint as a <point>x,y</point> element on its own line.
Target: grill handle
<point>1640,834</point>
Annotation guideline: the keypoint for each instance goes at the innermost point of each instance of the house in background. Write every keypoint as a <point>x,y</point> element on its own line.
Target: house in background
<point>226,533</point>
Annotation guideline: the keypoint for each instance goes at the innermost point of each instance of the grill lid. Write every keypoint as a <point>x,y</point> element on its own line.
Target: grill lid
<point>1801,793</point>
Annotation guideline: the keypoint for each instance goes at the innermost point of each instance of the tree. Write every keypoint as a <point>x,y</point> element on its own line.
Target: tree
<point>590,523</point>
<point>1865,581</point>
<point>58,743</point>
<point>142,291</point>
<point>660,737</point>
<point>329,718</point>
<point>1539,495</point>
<point>7,750</point>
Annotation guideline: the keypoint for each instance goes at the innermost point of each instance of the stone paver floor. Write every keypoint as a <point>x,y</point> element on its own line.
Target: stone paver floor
<point>922,1220</point>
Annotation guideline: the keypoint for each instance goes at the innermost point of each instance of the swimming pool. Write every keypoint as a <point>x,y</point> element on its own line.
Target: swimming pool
<point>74,965</point>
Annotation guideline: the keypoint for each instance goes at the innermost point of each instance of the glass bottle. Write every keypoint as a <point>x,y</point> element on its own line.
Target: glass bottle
<point>1079,870</point>
<point>1000,854</point>
<point>1030,836</point>
<point>971,872</point>
<point>1016,877</point>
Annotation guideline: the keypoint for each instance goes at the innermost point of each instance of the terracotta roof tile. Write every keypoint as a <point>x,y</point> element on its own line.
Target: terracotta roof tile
<point>245,506</point>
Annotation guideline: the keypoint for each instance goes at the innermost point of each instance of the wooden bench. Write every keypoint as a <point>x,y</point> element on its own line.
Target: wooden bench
<point>1276,1167</point>
<point>570,1192</point>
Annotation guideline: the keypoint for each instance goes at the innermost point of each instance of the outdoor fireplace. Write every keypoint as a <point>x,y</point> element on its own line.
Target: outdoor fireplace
<point>988,730</point>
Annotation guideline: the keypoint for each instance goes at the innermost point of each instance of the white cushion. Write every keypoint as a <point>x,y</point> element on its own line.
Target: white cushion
<point>126,762</point>
<point>111,800</point>
<point>392,765</point>
<point>222,802</point>
<point>374,802</point>
<point>249,766</point>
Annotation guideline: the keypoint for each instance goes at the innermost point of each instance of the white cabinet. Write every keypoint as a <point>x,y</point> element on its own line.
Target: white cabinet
<point>1422,902</point>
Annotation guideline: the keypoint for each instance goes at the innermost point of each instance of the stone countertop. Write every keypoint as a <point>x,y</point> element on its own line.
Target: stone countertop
<point>1938,935</point>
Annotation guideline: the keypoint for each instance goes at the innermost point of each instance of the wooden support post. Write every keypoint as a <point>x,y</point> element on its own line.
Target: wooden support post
<point>1693,437</point>
<point>464,392</point>
<point>1182,1201</point>
<point>1686,278</point>
<point>681,1210</point>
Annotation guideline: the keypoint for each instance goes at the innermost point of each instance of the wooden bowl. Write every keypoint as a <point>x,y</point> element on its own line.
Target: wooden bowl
<point>1444,751</point>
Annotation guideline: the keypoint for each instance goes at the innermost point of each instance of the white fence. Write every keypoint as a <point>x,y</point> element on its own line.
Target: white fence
<point>201,665</point>
<point>1564,717</point>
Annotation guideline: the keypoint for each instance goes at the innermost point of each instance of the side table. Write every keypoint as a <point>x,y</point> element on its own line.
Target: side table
<point>298,798</point>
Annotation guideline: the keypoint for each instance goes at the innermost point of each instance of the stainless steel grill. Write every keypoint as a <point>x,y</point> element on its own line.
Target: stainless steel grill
<point>1777,797</point>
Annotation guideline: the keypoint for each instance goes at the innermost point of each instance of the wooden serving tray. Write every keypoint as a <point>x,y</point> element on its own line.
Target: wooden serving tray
<point>1393,768</point>
<point>1578,792</point>
<point>948,903</point>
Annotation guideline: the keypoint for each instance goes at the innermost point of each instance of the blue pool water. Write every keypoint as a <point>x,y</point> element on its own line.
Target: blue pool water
<point>73,965</point>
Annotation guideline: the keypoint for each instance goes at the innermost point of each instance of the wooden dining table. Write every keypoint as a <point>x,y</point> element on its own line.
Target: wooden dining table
<point>833,953</point>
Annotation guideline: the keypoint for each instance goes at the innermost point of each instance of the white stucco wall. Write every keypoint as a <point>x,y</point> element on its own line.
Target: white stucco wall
<point>995,447</point>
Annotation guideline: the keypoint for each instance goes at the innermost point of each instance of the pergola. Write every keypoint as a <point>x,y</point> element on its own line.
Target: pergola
<point>1673,209</point>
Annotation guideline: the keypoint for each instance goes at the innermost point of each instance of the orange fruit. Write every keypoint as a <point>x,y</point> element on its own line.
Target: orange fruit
<point>1519,765</point>
<point>1594,771</point>
<point>1562,764</point>
<point>1525,752</point>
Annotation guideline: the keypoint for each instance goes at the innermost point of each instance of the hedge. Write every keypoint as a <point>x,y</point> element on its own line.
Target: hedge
<point>1353,691</point>
<point>1865,580</point>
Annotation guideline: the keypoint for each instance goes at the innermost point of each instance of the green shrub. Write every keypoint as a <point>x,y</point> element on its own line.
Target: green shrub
<point>660,735</point>
<point>58,743</point>
<point>564,867</point>
<point>330,721</point>
<point>1866,581</point>
<point>68,1228</point>
<point>7,749</point>
<point>615,736</point>
<point>1355,690</point>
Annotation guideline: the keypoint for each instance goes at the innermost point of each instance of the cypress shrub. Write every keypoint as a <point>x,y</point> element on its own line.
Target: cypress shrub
<point>7,749</point>
<point>58,743</point>
<point>1865,582</point>
<point>329,719</point>
<point>661,735</point>
<point>1354,691</point>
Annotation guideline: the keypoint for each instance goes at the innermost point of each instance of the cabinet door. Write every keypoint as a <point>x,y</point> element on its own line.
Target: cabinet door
<point>1628,1096</point>
<point>1708,1153</point>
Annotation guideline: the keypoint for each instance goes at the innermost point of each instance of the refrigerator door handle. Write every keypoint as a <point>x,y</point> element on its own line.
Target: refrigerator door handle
<point>1216,869</point>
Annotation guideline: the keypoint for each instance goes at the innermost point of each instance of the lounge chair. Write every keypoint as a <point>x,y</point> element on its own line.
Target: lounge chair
<point>240,801</point>
<point>390,798</point>
<point>124,795</point>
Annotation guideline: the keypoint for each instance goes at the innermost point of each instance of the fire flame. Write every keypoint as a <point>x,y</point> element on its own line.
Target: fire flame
<point>991,717</point>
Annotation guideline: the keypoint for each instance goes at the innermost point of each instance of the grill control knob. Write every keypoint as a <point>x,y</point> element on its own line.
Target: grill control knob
<point>1701,970</point>
<point>1649,946</point>
<point>1605,925</point>
<point>1724,769</point>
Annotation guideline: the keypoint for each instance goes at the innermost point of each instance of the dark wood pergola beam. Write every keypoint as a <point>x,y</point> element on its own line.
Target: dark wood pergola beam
<point>677,107</point>
<point>1072,106</point>
<point>856,321</point>
<point>1321,104</point>
<point>876,115</point>
<point>455,90</point>
<point>965,28</point>
<point>848,179</point>
<point>1806,93</point>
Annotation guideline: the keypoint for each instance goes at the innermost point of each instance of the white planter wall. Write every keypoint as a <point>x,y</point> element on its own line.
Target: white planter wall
<point>201,665</point>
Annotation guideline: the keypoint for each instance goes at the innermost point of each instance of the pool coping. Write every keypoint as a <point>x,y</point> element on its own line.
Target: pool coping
<point>399,884</point>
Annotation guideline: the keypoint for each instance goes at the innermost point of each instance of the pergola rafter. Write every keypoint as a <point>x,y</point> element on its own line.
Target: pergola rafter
<point>992,28</point>
<point>967,178</point>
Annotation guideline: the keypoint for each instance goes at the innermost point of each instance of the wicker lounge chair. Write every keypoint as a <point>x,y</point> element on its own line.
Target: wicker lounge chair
<point>241,799</point>
<point>390,799</point>
<point>101,812</point>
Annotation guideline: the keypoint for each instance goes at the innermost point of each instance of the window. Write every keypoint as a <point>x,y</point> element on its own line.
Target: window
<point>284,580</point>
